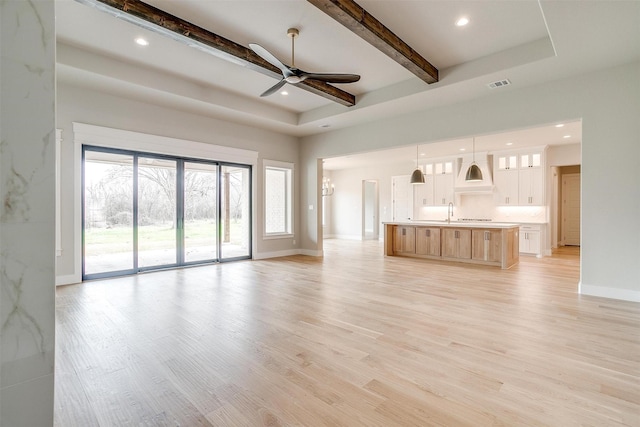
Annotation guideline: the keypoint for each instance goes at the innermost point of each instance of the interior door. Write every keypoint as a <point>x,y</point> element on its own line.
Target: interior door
<point>370,229</point>
<point>571,209</point>
<point>402,197</point>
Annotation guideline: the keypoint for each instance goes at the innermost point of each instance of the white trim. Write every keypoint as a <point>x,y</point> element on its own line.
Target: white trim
<point>68,279</point>
<point>606,292</point>
<point>276,254</point>
<point>278,164</point>
<point>310,252</point>
<point>285,166</point>
<point>127,140</point>
<point>58,217</point>
<point>274,236</point>
<point>77,210</point>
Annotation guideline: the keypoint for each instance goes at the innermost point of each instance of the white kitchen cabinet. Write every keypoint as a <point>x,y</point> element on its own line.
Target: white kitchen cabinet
<point>423,194</point>
<point>519,178</point>
<point>507,161</point>
<point>530,240</point>
<point>443,183</point>
<point>530,187</point>
<point>531,160</point>
<point>505,178</point>
<point>506,184</point>
<point>531,179</point>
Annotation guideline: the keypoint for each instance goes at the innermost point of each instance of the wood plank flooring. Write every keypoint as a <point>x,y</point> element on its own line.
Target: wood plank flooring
<point>351,339</point>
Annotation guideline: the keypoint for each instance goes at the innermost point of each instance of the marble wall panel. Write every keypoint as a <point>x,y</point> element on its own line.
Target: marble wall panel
<point>27,212</point>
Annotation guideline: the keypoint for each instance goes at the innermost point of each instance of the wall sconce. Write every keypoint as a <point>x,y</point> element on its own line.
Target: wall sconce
<point>327,187</point>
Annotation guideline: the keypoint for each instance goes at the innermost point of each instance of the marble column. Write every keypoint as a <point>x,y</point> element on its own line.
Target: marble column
<point>27,211</point>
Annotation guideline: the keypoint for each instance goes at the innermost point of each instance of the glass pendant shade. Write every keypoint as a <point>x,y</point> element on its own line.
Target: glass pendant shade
<point>417,177</point>
<point>473,173</point>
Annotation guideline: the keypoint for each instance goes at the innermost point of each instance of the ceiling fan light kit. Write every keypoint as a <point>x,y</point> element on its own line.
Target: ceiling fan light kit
<point>293,75</point>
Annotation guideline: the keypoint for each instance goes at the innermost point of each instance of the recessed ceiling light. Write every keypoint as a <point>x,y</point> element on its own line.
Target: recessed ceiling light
<point>463,149</point>
<point>509,143</point>
<point>567,136</point>
<point>462,21</point>
<point>559,125</point>
<point>284,93</point>
<point>142,42</point>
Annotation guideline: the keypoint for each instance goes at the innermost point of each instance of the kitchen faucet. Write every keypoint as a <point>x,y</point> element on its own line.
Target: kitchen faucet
<point>449,212</point>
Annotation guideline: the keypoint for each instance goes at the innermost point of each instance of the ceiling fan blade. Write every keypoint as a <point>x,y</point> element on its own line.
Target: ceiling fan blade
<point>267,56</point>
<point>332,78</point>
<point>274,88</point>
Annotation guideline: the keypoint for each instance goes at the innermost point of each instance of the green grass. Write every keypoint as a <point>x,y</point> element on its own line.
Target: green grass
<point>103,241</point>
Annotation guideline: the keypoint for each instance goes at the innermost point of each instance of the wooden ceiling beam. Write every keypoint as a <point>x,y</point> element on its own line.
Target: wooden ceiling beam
<point>159,21</point>
<point>361,22</point>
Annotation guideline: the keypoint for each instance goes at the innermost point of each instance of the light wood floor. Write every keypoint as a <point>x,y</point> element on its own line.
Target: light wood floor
<point>351,339</point>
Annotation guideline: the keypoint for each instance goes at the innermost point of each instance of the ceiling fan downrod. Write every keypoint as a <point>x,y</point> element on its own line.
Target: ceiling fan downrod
<point>293,32</point>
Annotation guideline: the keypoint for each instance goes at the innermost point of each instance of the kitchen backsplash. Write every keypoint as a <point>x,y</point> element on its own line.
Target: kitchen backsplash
<point>482,207</point>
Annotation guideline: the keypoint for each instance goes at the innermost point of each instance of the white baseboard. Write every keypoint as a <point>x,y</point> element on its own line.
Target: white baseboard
<point>68,279</point>
<point>276,254</point>
<point>606,292</point>
<point>310,252</point>
<point>288,252</point>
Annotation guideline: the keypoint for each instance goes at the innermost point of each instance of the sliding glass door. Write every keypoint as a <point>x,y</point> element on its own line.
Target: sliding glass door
<point>200,212</point>
<point>108,213</point>
<point>235,204</point>
<point>157,216</point>
<point>143,211</point>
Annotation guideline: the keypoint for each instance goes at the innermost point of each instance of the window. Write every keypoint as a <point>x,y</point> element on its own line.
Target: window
<point>278,199</point>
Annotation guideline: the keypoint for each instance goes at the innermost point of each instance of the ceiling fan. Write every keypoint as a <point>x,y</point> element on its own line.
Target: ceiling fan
<point>293,75</point>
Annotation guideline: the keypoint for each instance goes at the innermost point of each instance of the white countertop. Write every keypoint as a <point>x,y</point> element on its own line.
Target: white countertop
<point>465,224</point>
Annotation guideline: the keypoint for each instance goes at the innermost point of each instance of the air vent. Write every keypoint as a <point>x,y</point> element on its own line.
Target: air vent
<point>499,83</point>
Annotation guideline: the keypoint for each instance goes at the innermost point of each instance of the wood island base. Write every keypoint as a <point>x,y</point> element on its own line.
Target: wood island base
<point>487,244</point>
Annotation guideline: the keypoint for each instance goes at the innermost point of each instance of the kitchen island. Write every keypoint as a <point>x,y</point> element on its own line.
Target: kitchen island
<point>485,243</point>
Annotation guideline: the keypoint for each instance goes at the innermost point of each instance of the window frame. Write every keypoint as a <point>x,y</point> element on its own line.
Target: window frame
<point>289,198</point>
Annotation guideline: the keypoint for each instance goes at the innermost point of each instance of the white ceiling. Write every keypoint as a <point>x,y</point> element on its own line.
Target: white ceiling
<point>523,40</point>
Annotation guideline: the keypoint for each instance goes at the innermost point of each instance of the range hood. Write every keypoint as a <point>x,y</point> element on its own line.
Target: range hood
<point>485,163</point>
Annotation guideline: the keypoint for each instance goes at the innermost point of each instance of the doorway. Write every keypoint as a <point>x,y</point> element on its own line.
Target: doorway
<point>570,224</point>
<point>370,225</point>
<point>144,211</point>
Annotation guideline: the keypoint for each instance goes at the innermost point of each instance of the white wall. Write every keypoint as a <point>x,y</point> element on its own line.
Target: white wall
<point>564,155</point>
<point>346,203</point>
<point>607,101</point>
<point>76,104</point>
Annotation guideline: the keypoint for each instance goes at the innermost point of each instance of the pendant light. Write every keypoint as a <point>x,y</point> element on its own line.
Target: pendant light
<point>417,176</point>
<point>474,173</point>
